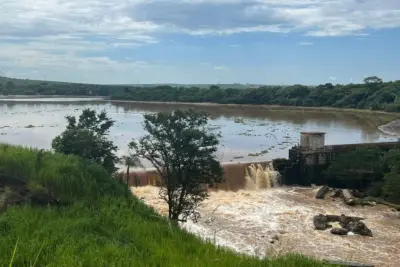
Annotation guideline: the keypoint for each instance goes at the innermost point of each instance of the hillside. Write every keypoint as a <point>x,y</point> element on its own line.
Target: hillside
<point>59,211</point>
<point>373,94</point>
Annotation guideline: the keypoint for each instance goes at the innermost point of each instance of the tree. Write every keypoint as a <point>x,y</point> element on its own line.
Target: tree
<point>358,168</point>
<point>88,138</point>
<point>391,185</point>
<point>130,161</point>
<point>183,150</point>
<point>372,80</point>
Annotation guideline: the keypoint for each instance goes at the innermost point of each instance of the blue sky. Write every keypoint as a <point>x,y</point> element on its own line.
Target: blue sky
<point>200,41</point>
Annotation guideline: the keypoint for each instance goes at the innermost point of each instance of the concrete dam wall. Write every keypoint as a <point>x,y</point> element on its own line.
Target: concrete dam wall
<point>234,176</point>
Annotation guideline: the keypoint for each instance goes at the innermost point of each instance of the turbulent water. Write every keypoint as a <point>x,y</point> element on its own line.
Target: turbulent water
<point>261,177</point>
<point>248,133</point>
<point>279,220</point>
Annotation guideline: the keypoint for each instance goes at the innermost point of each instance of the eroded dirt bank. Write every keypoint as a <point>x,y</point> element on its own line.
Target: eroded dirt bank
<point>279,220</point>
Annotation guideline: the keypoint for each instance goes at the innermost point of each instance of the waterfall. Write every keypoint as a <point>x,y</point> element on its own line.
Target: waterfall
<point>259,177</point>
<point>249,183</point>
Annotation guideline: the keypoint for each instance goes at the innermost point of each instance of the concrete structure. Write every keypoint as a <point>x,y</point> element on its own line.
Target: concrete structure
<point>312,140</point>
<point>308,160</point>
<point>234,176</point>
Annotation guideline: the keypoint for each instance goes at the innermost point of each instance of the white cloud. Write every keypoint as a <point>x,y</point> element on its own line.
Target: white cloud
<point>332,78</point>
<point>313,17</point>
<point>306,43</point>
<point>40,34</point>
<point>221,68</point>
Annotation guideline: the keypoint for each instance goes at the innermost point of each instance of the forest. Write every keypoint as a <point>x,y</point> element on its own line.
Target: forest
<point>372,94</point>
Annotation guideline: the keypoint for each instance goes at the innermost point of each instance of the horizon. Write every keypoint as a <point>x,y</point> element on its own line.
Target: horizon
<point>260,42</point>
<point>172,84</point>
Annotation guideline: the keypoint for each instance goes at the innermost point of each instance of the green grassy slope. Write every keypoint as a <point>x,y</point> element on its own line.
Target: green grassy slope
<point>94,221</point>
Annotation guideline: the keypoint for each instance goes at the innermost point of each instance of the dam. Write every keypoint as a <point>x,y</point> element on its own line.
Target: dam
<point>303,167</point>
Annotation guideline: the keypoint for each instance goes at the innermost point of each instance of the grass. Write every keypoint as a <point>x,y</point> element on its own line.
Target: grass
<point>101,225</point>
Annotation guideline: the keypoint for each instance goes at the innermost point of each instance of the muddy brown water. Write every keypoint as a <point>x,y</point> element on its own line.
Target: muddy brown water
<point>248,133</point>
<point>247,221</point>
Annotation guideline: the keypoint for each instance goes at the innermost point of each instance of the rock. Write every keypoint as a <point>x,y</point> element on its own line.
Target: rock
<point>282,232</point>
<point>360,228</point>
<point>322,192</point>
<point>348,197</point>
<point>336,193</point>
<point>358,194</point>
<point>344,224</point>
<point>345,220</point>
<point>320,222</point>
<point>332,218</point>
<point>339,231</point>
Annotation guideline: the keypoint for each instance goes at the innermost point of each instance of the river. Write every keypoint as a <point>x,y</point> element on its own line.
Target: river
<point>248,133</point>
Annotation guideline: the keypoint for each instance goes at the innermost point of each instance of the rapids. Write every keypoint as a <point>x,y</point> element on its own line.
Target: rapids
<point>247,221</point>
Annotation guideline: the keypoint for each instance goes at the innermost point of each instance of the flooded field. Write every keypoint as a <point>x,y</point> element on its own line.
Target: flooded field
<point>279,220</point>
<point>248,133</point>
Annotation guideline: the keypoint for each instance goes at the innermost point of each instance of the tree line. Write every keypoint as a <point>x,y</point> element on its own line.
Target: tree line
<point>373,170</point>
<point>373,93</point>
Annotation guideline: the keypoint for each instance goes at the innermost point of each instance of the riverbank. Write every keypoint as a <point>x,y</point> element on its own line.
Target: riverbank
<point>204,104</point>
<point>386,119</point>
<point>266,107</point>
<point>392,128</point>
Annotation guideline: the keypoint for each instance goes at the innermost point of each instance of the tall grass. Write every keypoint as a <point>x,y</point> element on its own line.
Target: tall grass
<point>69,178</point>
<point>101,225</point>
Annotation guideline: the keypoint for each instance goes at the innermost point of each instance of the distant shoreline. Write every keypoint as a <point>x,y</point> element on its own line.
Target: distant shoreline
<point>272,107</point>
<point>392,128</point>
<point>204,104</point>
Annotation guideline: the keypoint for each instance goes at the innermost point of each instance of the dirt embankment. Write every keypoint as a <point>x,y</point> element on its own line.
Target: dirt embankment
<point>392,128</point>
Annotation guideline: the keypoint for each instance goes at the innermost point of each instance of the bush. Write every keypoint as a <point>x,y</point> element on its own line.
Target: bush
<point>67,178</point>
<point>391,187</point>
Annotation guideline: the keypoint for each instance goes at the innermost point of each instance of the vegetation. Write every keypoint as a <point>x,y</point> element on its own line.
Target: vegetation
<point>183,150</point>
<point>371,169</point>
<point>130,161</point>
<point>88,138</point>
<point>372,94</point>
<point>95,222</point>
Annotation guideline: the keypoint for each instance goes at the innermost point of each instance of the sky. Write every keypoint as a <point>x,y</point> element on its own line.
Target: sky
<point>200,41</point>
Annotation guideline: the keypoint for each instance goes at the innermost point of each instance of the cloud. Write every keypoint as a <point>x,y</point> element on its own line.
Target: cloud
<point>306,43</point>
<point>139,21</point>
<point>39,33</point>
<point>313,17</point>
<point>221,68</point>
<point>332,78</point>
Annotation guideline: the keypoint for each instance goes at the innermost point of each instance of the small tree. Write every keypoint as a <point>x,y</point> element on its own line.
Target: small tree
<point>183,150</point>
<point>88,138</point>
<point>373,80</point>
<point>130,161</point>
